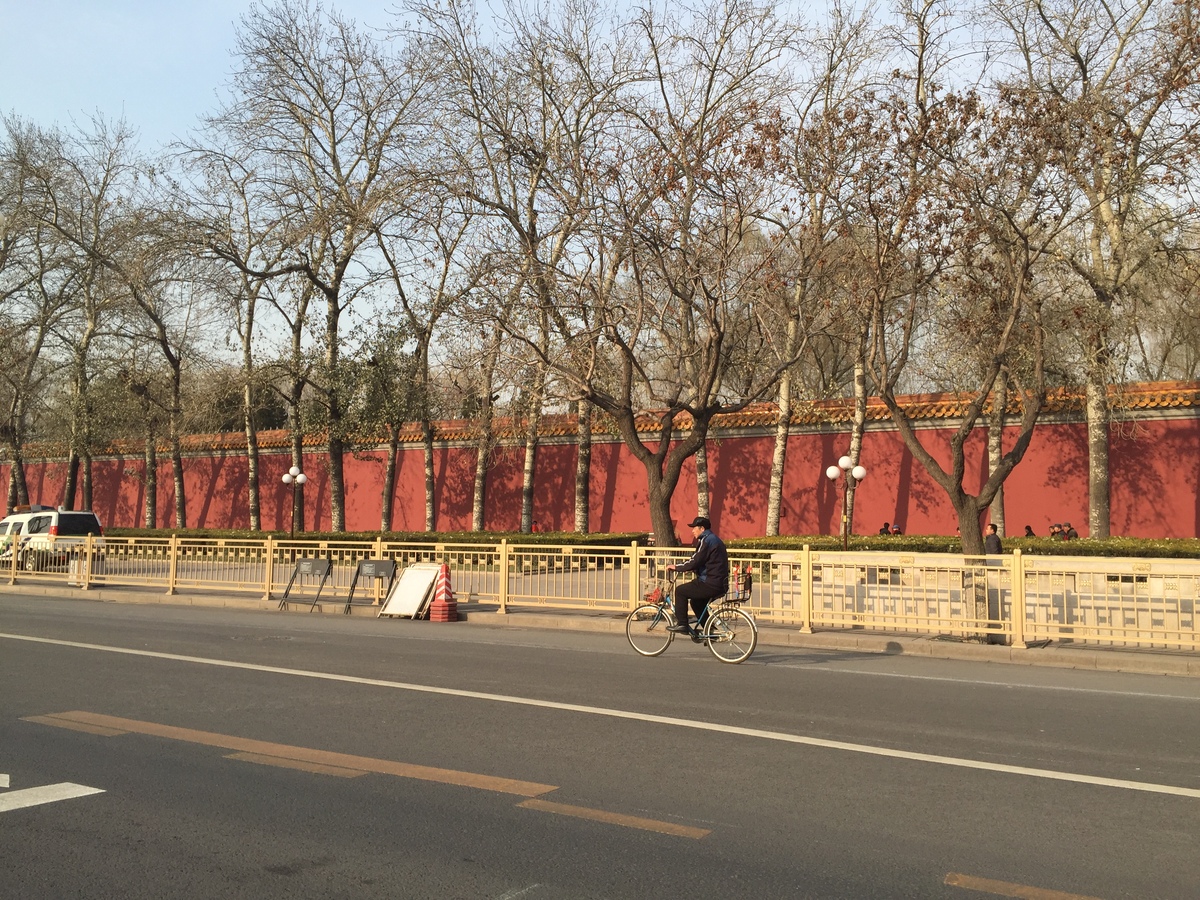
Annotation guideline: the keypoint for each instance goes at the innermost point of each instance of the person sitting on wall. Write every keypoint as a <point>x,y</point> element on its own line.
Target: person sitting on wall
<point>886,529</point>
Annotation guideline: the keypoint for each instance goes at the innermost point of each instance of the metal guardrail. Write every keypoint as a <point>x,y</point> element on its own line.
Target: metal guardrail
<point>1009,598</point>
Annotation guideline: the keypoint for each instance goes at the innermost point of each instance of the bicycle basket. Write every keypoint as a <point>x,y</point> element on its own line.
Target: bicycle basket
<point>743,581</point>
<point>654,596</point>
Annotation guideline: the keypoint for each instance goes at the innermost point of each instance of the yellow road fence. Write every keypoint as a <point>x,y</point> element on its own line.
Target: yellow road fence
<point>1009,598</point>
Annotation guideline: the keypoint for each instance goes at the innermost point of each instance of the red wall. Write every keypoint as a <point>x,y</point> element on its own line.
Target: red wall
<point>1154,486</point>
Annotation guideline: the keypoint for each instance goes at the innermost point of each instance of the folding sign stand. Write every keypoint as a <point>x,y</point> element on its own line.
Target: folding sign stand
<point>308,568</point>
<point>411,592</point>
<point>372,569</point>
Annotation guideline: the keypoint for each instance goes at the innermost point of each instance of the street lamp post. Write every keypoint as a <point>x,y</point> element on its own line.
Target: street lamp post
<point>851,475</point>
<point>295,478</point>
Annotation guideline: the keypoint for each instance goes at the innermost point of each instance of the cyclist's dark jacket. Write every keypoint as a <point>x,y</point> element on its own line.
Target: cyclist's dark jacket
<point>710,561</point>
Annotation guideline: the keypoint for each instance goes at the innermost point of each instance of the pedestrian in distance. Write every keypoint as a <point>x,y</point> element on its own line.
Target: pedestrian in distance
<point>710,562</point>
<point>1029,531</point>
<point>991,540</point>
<point>1069,533</point>
<point>896,530</point>
<point>886,529</point>
<point>1056,532</point>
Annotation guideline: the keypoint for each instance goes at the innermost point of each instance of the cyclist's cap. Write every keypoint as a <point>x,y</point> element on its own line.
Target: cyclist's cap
<point>700,521</point>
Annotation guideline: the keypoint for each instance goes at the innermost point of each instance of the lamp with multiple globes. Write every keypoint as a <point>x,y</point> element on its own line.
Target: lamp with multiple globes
<point>851,475</point>
<point>295,478</point>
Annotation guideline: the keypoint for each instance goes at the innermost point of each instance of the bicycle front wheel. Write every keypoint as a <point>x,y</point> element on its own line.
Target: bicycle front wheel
<point>646,629</point>
<point>731,634</point>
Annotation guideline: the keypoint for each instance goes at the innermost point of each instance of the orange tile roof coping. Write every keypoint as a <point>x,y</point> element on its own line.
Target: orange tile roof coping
<point>1142,396</point>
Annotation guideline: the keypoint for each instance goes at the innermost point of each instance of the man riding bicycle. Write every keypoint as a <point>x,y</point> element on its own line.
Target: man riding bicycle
<point>710,562</point>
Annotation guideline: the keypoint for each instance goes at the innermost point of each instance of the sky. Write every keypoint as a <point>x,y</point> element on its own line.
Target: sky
<point>159,64</point>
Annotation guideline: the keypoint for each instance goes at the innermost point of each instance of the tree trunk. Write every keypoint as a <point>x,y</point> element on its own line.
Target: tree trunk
<point>174,423</point>
<point>531,447</point>
<point>779,453</point>
<point>702,481</point>
<point>18,488</point>
<point>253,494</point>
<point>150,459</point>
<point>389,478</point>
<point>996,450</point>
<point>583,468</point>
<point>86,471</point>
<point>659,500</point>
<point>71,484</point>
<point>337,482</point>
<point>968,525</point>
<point>430,484</point>
<point>177,479</point>
<point>427,432</point>
<point>1097,440</point>
<point>483,455</point>
<point>662,467</point>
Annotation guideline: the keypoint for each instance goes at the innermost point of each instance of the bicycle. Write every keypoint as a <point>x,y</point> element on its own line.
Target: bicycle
<point>728,630</point>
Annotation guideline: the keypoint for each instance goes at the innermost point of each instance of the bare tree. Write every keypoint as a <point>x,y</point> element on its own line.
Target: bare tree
<point>1120,82</point>
<point>524,121</point>
<point>424,252</point>
<point>810,155</point>
<point>965,207</point>
<point>676,215</point>
<point>329,111</point>
<point>228,216</point>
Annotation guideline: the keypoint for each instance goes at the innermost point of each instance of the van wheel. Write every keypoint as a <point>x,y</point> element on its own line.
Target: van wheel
<point>29,562</point>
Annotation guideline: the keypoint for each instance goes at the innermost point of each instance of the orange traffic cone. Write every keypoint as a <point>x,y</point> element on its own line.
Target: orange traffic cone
<point>443,608</point>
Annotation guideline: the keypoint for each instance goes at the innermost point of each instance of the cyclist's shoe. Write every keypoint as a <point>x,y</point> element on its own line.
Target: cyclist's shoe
<point>679,629</point>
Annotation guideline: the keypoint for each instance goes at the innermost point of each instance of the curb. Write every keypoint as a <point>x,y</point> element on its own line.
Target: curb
<point>1147,662</point>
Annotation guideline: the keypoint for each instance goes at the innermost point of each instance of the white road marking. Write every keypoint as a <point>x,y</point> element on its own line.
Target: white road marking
<point>3,781</point>
<point>783,737</point>
<point>51,793</point>
<point>1023,685</point>
<point>518,892</point>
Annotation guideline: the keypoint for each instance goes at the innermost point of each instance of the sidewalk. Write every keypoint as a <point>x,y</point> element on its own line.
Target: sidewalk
<point>1150,662</point>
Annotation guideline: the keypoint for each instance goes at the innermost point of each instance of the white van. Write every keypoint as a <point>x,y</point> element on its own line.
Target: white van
<point>46,537</point>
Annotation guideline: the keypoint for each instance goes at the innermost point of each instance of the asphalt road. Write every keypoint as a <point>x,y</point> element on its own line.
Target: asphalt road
<point>166,751</point>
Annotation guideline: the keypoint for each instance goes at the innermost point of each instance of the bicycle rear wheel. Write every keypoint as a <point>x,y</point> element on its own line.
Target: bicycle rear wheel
<point>731,634</point>
<point>646,629</point>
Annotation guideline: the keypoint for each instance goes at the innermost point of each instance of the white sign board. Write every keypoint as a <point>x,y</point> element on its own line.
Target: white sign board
<point>412,591</point>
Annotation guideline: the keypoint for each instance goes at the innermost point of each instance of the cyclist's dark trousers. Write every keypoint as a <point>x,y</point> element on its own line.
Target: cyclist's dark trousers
<point>698,593</point>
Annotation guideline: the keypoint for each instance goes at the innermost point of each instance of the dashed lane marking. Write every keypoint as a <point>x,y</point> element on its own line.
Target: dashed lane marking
<point>269,750</point>
<point>345,765</point>
<point>599,815</point>
<point>280,762</point>
<point>1009,889</point>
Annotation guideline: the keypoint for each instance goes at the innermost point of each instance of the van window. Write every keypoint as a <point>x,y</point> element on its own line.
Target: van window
<point>38,525</point>
<point>77,523</point>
